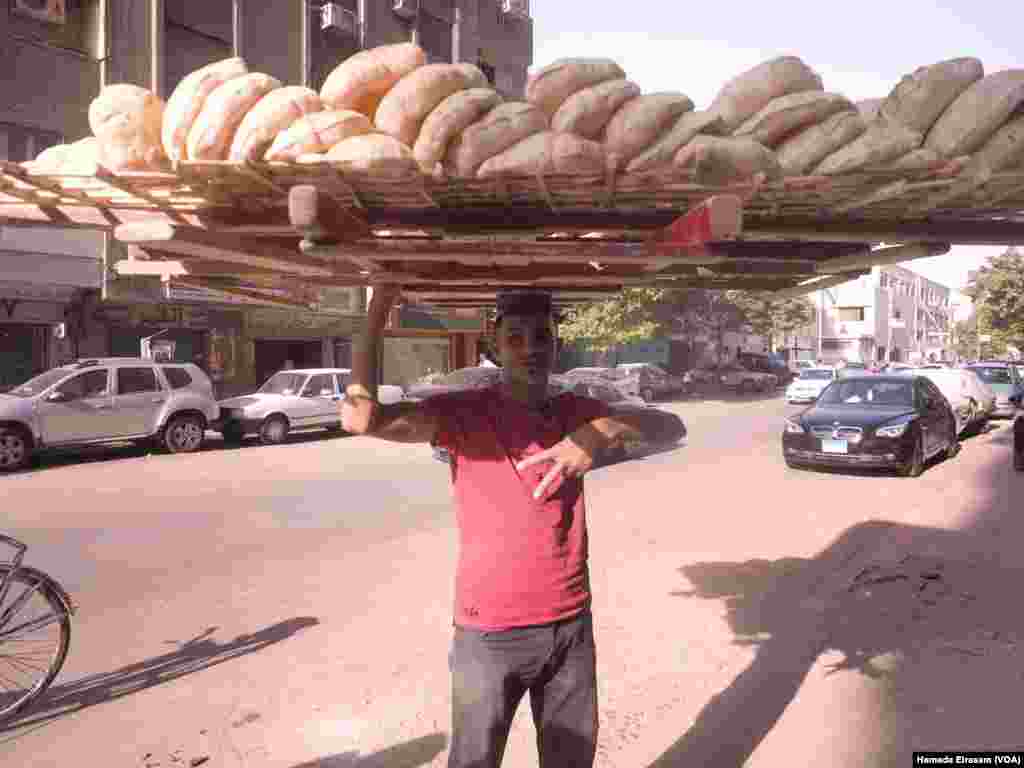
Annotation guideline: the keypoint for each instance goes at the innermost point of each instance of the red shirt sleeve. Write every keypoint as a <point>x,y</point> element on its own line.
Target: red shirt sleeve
<point>445,410</point>
<point>583,409</point>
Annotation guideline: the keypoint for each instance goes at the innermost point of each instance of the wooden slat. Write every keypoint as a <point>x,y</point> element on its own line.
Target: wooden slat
<point>320,218</point>
<point>189,241</point>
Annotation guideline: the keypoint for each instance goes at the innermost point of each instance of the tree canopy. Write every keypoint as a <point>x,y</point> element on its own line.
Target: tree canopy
<point>998,294</point>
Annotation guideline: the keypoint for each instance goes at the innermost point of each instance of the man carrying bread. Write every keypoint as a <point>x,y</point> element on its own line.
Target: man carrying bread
<point>522,591</point>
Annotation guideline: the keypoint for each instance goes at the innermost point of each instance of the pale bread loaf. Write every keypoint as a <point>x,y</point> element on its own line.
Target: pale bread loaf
<point>868,108</point>
<point>800,153</point>
<point>188,99</point>
<point>882,142</point>
<point>375,153</point>
<point>547,152</point>
<point>274,113</point>
<point>404,108</point>
<point>784,116</point>
<point>360,81</point>
<point>977,113</point>
<point>549,87</point>
<point>127,120</point>
<point>448,120</point>
<point>499,129</point>
<point>317,133</point>
<point>211,134</point>
<point>718,161</point>
<point>687,125</point>
<point>587,112</point>
<point>640,122</point>
<point>1005,150</point>
<point>749,92</point>
<point>921,97</point>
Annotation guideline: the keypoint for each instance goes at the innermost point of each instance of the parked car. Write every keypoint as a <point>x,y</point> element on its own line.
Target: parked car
<point>809,385</point>
<point>891,368</point>
<point>796,366</point>
<point>476,377</point>
<point>106,400</point>
<point>654,382</point>
<point>294,400</point>
<point>627,382</point>
<point>897,422</point>
<point>762,363</point>
<point>736,377</point>
<point>1018,440</point>
<point>852,368</point>
<point>1003,379</point>
<point>971,400</point>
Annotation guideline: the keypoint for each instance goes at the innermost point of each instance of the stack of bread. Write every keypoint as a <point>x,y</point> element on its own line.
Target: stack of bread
<point>387,112</point>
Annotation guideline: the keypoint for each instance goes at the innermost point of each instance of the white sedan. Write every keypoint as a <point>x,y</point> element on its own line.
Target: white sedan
<point>808,386</point>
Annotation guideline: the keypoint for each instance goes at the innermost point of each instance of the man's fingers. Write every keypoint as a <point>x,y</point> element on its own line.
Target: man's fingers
<point>537,458</point>
<point>548,478</point>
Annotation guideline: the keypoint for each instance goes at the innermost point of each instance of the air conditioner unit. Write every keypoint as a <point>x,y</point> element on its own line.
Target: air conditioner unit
<point>518,8</point>
<point>407,9</point>
<point>342,20</point>
<point>51,11</point>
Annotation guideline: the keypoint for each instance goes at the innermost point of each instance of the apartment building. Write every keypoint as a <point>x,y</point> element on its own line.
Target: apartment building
<point>891,314</point>
<point>59,296</point>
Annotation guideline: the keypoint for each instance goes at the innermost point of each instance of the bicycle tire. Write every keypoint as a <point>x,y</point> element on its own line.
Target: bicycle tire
<point>58,600</point>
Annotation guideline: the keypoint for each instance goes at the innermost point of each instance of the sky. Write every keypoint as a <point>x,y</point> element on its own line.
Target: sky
<point>861,51</point>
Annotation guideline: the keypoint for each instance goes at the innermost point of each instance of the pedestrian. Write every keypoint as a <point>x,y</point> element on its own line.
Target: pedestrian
<point>522,620</point>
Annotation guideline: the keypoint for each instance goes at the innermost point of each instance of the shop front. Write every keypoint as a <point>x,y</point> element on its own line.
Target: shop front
<point>32,331</point>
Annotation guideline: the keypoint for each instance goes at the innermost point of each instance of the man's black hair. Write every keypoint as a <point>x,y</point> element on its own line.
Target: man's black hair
<point>525,303</point>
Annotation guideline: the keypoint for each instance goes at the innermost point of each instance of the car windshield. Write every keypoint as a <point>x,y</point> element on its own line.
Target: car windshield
<point>992,375</point>
<point>865,392</point>
<point>40,383</point>
<point>471,378</point>
<point>607,373</point>
<point>818,374</point>
<point>284,384</point>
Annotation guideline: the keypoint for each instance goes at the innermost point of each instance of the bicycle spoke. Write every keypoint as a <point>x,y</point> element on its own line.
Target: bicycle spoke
<point>18,602</point>
<point>30,626</point>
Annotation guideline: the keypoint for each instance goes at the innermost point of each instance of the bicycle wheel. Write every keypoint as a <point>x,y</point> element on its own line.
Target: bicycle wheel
<point>35,633</point>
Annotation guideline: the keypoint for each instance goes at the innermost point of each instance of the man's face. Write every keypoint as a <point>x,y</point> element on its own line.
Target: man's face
<point>526,346</point>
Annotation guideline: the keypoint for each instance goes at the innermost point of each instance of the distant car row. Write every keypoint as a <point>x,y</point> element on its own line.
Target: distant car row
<point>898,420</point>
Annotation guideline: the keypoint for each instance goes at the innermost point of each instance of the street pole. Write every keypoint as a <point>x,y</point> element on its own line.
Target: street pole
<point>821,321</point>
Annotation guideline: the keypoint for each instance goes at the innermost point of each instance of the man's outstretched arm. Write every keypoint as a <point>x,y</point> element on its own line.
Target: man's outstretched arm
<point>361,413</point>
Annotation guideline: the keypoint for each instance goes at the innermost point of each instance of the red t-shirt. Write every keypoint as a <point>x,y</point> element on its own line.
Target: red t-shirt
<point>521,561</point>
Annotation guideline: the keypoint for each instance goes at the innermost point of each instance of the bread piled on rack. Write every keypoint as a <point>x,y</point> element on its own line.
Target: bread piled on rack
<point>388,112</point>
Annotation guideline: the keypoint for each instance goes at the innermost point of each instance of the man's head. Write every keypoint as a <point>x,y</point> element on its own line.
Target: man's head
<point>525,332</point>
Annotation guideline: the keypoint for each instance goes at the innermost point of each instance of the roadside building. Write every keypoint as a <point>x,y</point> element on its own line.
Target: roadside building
<point>60,295</point>
<point>891,314</point>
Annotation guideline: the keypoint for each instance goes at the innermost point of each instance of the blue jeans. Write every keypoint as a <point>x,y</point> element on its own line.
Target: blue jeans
<point>492,671</point>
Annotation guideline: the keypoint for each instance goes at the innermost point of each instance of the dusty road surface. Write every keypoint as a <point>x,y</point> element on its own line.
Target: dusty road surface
<point>290,606</point>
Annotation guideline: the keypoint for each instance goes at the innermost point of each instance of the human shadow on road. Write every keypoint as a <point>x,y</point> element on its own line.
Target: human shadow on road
<point>919,610</point>
<point>411,754</point>
<point>192,655</point>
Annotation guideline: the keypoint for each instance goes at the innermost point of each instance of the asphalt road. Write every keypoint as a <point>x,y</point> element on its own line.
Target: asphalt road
<point>291,606</point>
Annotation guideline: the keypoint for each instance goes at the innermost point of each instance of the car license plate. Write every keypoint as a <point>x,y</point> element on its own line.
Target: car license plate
<point>833,446</point>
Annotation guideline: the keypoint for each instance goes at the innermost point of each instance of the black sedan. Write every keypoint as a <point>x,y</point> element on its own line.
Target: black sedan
<point>894,422</point>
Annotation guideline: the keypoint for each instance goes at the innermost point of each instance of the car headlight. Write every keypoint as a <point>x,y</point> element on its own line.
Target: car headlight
<point>793,427</point>
<point>893,430</point>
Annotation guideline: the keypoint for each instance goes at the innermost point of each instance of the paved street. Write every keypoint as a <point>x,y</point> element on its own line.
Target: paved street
<point>290,606</point>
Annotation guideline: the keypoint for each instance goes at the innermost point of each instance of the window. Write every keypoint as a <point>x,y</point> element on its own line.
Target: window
<point>90,384</point>
<point>19,143</point>
<point>321,385</point>
<point>134,380</point>
<point>434,29</point>
<point>195,34</point>
<point>78,32</point>
<point>178,378</point>
<point>851,314</point>
<point>883,279</point>
<point>343,380</point>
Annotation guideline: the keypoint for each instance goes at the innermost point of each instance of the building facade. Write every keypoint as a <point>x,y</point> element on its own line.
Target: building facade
<point>892,314</point>
<point>59,295</point>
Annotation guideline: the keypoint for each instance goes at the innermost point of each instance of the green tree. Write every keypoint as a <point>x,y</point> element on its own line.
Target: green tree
<point>626,317</point>
<point>998,294</point>
<point>771,316</point>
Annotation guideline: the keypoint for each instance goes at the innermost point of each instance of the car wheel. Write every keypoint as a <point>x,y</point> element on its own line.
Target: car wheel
<point>647,395</point>
<point>334,429</point>
<point>953,448</point>
<point>233,434</point>
<point>792,464</point>
<point>274,430</point>
<point>184,434</point>
<point>972,417</point>
<point>746,386</point>
<point>915,466</point>
<point>15,449</point>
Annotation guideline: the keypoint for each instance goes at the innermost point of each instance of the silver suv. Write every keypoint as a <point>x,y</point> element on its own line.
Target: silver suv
<point>106,400</point>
